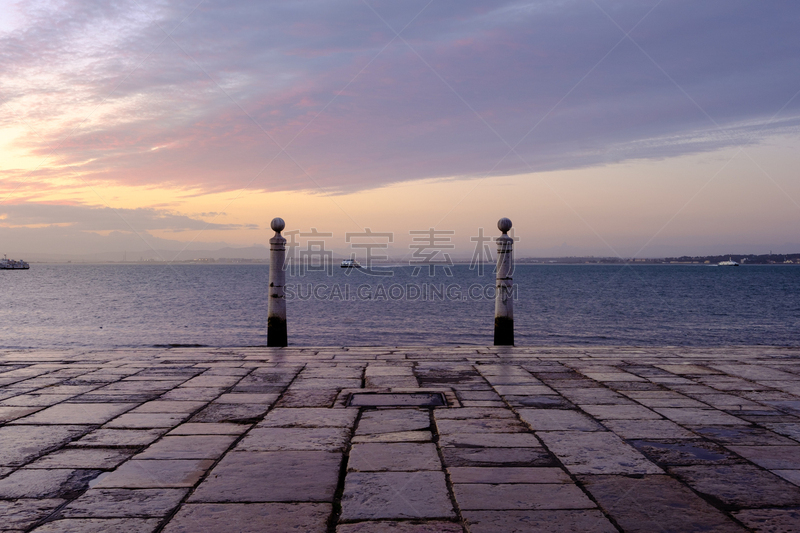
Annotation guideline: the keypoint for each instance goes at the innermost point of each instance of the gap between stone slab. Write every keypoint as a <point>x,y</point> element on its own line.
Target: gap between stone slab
<point>449,396</point>
<point>336,511</point>
<point>166,520</point>
<point>397,399</point>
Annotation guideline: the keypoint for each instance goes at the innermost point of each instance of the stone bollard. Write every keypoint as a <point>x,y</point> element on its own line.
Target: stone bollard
<point>503,301</point>
<point>276,308</point>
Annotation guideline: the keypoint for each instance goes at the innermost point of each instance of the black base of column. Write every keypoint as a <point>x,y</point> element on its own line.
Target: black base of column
<point>503,331</point>
<point>276,332</point>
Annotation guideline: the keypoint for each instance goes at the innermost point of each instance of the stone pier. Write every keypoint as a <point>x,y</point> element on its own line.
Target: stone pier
<point>457,439</point>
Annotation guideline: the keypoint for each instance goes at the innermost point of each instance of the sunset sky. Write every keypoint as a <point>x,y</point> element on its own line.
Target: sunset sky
<point>613,128</point>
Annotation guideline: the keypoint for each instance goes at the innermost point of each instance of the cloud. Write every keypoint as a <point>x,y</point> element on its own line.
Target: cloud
<point>46,230</point>
<point>468,89</point>
<point>88,219</point>
<point>62,243</point>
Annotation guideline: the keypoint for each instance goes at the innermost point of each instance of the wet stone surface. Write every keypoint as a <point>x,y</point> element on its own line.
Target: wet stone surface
<point>396,400</point>
<point>121,503</point>
<point>250,518</point>
<point>259,439</point>
<point>271,477</point>
<point>19,514</point>
<point>743,486</point>
<point>656,503</point>
<point>685,452</point>
<point>393,420</point>
<point>396,457</point>
<point>380,495</point>
<point>497,456</point>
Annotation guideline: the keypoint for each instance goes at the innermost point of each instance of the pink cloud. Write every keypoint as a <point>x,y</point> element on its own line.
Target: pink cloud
<point>316,77</point>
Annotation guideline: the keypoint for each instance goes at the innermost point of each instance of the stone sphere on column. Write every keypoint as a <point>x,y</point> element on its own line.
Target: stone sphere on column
<point>504,225</point>
<point>278,224</point>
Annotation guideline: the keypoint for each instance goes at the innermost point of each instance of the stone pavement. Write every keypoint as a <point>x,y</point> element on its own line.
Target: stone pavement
<point>569,439</point>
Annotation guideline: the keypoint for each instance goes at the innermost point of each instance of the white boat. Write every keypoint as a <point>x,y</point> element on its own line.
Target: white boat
<point>350,263</point>
<point>729,263</point>
<point>11,264</point>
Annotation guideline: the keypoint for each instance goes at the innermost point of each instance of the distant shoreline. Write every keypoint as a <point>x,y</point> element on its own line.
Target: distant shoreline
<point>775,259</point>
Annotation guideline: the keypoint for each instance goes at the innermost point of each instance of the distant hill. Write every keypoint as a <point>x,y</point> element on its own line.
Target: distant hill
<point>747,259</point>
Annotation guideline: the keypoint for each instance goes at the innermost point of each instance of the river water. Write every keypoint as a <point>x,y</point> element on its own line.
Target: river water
<point>105,306</point>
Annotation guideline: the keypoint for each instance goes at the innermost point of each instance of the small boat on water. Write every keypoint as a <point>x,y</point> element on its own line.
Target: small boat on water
<point>11,264</point>
<point>729,263</point>
<point>350,263</point>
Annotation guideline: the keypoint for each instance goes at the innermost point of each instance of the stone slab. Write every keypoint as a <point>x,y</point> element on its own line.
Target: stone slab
<point>192,394</point>
<point>309,417</point>
<point>539,402</point>
<point>271,477</point>
<point>386,526</point>
<point>120,437</point>
<point>743,436</point>
<point>524,390</point>
<point>699,417</point>
<point>21,444</point>
<point>21,513</point>
<point>792,476</point>
<point>393,420</point>
<point>395,495</point>
<point>648,429</point>
<point>400,436</point>
<point>758,420</point>
<point>231,412</point>
<point>188,447</point>
<point>35,400</point>
<point>92,458</point>
<point>420,399</point>
<point>497,456</point>
<point>8,414</point>
<point>473,413</point>
<point>168,406</point>
<point>771,457</point>
<point>146,420</point>
<point>489,440</point>
<point>147,474</point>
<point>250,398</point>
<point>538,520</point>
<point>212,381</point>
<point>770,520</point>
<point>596,453</point>
<point>395,457</point>
<point>481,425</point>
<point>558,420</point>
<point>308,398</point>
<point>739,485</point>
<point>507,474</point>
<point>479,497</point>
<point>303,383</point>
<point>685,452</point>
<point>282,439</point>
<point>124,503</point>
<point>77,413</point>
<point>50,483</point>
<point>210,428</point>
<point>250,518</point>
<point>656,503</point>
<point>620,412</point>
<point>95,525</point>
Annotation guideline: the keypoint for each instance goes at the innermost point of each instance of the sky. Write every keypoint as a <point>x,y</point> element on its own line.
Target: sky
<point>612,128</point>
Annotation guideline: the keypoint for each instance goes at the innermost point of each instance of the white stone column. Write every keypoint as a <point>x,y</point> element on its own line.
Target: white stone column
<point>276,308</point>
<point>503,300</point>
